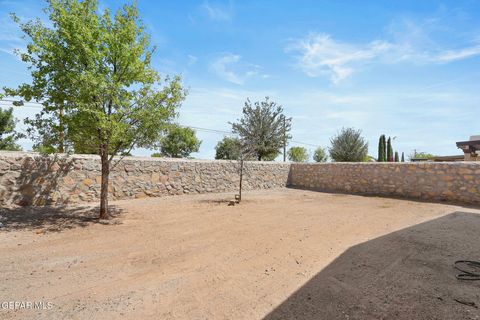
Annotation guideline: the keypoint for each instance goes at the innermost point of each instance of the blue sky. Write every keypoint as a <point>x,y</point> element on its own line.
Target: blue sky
<point>408,69</point>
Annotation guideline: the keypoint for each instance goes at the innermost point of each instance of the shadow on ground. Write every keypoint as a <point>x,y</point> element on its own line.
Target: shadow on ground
<point>53,218</point>
<point>406,274</point>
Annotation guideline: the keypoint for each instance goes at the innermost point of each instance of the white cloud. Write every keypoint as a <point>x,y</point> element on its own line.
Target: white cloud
<point>230,68</point>
<point>452,55</point>
<point>217,12</point>
<point>322,55</point>
<point>192,59</point>
<point>406,41</point>
<point>220,68</point>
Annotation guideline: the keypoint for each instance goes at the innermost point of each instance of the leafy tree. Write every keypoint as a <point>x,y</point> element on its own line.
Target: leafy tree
<point>348,146</point>
<point>320,155</point>
<point>403,157</point>
<point>92,71</point>
<point>179,142</point>
<point>268,157</point>
<point>421,155</point>
<point>263,129</point>
<point>298,154</point>
<point>46,131</point>
<point>8,136</point>
<point>46,149</point>
<point>228,149</point>
<point>396,157</point>
<point>381,149</point>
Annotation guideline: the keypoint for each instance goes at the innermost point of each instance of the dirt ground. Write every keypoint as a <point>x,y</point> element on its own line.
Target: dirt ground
<point>281,254</point>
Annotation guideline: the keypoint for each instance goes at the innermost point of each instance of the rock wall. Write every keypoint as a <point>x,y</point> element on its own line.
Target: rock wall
<point>453,181</point>
<point>34,179</point>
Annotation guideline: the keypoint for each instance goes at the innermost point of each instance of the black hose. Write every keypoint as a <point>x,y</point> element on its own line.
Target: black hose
<point>473,272</point>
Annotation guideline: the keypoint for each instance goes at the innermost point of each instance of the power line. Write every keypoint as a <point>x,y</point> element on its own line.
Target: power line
<point>11,102</point>
<point>208,130</point>
<point>304,143</point>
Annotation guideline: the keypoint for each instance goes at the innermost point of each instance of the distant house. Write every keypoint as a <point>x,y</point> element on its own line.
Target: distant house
<point>470,148</point>
<point>440,159</point>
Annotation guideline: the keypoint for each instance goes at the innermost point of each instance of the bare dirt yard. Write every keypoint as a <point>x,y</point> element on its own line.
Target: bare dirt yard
<point>281,254</point>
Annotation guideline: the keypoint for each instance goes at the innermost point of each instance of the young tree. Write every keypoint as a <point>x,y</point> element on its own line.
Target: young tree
<point>396,157</point>
<point>8,136</point>
<point>298,154</point>
<point>403,157</point>
<point>93,70</point>
<point>228,149</point>
<point>263,129</point>
<point>320,155</point>
<point>348,146</point>
<point>179,142</point>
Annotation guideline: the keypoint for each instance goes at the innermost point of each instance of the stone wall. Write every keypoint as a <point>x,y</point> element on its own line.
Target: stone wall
<point>34,179</point>
<point>452,181</point>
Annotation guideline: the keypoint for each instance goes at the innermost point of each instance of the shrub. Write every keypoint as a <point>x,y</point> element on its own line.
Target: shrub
<point>348,146</point>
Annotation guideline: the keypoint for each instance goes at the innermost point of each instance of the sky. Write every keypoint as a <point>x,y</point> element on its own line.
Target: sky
<point>409,69</point>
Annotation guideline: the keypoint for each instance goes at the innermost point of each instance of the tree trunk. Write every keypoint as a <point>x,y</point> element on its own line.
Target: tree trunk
<point>61,146</point>
<point>104,185</point>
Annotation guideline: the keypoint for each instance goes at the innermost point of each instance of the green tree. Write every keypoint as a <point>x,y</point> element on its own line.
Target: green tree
<point>320,155</point>
<point>403,157</point>
<point>396,157</point>
<point>297,154</point>
<point>263,129</point>
<point>389,150</point>
<point>92,70</point>
<point>381,149</point>
<point>421,155</point>
<point>384,149</point>
<point>228,149</point>
<point>348,146</point>
<point>45,130</point>
<point>179,142</point>
<point>8,136</point>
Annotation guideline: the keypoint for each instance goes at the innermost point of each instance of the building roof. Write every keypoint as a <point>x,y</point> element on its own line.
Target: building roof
<point>440,158</point>
<point>470,146</point>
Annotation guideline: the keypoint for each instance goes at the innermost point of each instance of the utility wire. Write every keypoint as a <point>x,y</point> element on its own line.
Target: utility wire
<point>208,130</point>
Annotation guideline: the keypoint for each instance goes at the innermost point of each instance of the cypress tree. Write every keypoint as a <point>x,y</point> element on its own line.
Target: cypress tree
<point>384,141</point>
<point>396,157</point>
<point>403,157</point>
<point>389,150</point>
<point>381,149</point>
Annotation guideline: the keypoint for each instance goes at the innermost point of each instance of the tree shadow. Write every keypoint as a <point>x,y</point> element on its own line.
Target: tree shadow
<point>407,274</point>
<point>38,180</point>
<point>54,219</point>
